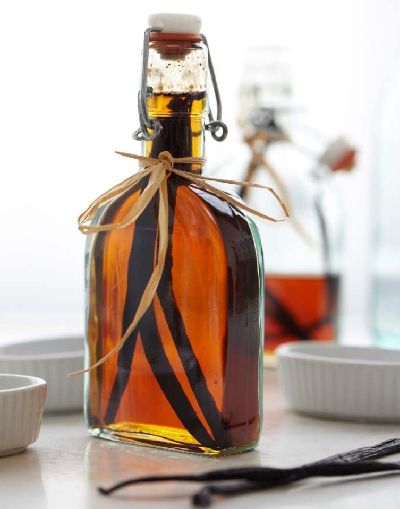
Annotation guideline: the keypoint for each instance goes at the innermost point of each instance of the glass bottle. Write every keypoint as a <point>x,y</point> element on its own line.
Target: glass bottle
<point>189,376</point>
<point>303,261</point>
<point>303,254</point>
<point>385,300</point>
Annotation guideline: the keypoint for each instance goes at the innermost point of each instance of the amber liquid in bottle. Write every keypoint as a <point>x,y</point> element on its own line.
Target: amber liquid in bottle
<point>189,376</point>
<point>300,308</point>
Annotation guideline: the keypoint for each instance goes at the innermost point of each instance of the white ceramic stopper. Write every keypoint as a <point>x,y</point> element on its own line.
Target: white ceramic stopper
<point>175,23</point>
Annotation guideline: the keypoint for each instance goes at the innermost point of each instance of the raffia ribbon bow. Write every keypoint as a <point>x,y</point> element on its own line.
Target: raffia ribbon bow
<point>158,171</point>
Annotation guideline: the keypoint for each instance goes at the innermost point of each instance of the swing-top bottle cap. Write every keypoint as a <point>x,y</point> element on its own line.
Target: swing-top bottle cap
<point>175,23</point>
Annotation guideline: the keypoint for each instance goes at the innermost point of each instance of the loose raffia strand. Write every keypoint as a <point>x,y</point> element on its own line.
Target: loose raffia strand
<point>158,171</point>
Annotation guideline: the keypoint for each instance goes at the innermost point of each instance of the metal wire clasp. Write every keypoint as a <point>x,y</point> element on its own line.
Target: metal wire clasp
<point>150,128</point>
<point>215,125</point>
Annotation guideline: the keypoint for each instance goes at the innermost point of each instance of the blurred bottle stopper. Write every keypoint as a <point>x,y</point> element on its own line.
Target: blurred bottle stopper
<point>267,81</point>
<point>339,155</point>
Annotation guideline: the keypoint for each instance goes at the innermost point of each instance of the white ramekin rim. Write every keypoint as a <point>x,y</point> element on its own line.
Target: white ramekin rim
<point>32,357</point>
<point>31,383</point>
<point>311,351</point>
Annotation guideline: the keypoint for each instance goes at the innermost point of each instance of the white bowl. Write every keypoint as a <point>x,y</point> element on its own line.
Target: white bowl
<point>342,382</point>
<point>22,400</point>
<point>51,359</point>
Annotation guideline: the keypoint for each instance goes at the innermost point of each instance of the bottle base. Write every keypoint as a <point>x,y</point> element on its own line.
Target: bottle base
<point>161,437</point>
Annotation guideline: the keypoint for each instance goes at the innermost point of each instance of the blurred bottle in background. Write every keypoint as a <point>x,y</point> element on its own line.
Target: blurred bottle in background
<point>302,255</point>
<point>386,262</point>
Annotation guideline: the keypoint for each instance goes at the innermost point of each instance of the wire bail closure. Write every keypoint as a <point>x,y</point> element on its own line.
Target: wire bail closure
<point>150,128</point>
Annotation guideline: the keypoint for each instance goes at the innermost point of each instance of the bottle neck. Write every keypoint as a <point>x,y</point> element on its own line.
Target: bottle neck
<point>177,79</point>
<point>182,120</point>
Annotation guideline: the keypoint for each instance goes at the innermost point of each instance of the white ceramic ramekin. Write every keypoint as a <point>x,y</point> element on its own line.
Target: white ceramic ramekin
<point>51,359</point>
<point>343,382</point>
<point>22,400</point>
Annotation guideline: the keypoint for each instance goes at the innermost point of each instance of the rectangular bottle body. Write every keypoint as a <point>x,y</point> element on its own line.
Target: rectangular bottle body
<point>189,376</point>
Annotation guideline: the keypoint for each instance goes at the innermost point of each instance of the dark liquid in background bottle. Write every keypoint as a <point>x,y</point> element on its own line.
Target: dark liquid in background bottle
<point>300,308</point>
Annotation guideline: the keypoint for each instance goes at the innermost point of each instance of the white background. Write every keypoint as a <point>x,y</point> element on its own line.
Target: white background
<point>68,84</point>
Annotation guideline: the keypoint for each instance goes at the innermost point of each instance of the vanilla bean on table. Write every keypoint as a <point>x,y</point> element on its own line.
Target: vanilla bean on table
<point>261,478</point>
<point>385,448</point>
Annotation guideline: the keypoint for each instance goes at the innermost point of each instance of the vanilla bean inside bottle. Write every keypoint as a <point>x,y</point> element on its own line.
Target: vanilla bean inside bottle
<point>188,377</point>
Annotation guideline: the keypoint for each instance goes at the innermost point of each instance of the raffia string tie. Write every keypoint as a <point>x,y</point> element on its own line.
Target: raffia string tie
<point>158,170</point>
<point>258,160</point>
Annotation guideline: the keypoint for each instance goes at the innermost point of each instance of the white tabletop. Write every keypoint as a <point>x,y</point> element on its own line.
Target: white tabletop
<point>64,467</point>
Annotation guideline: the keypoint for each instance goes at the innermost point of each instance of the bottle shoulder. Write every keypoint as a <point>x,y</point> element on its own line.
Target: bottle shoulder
<point>219,205</point>
<point>190,203</point>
